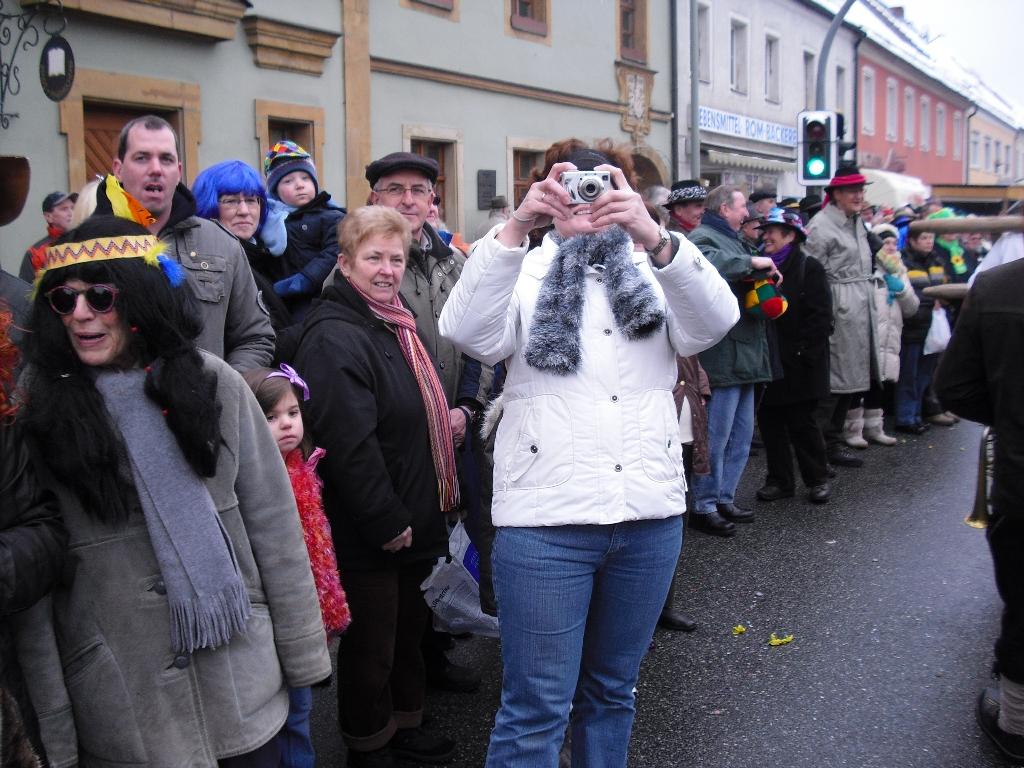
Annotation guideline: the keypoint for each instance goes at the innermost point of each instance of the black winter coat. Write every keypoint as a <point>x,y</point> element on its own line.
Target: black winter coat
<point>265,268</point>
<point>981,375</point>
<point>802,332</point>
<point>32,542</point>
<point>365,409</point>
<point>923,270</point>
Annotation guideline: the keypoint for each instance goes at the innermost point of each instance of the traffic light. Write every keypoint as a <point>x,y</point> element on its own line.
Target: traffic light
<point>817,149</point>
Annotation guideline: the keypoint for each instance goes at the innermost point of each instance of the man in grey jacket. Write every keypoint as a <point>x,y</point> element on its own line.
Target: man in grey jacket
<point>236,325</point>
<point>405,181</point>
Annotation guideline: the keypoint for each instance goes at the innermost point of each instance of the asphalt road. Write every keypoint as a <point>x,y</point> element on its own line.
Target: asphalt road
<point>891,605</point>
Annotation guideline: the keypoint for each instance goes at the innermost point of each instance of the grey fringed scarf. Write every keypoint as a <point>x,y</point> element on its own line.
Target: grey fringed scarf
<point>554,344</point>
<point>207,598</point>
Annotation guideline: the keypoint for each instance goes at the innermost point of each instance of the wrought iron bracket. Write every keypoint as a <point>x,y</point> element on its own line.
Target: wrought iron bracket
<point>18,33</point>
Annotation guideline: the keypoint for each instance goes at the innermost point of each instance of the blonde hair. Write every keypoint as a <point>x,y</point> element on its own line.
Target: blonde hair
<point>85,205</point>
<point>373,220</point>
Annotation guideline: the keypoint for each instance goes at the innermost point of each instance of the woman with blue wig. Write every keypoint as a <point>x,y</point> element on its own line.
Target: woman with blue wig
<point>232,193</point>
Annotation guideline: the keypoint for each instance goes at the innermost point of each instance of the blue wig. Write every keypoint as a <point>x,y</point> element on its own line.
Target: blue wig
<point>232,177</point>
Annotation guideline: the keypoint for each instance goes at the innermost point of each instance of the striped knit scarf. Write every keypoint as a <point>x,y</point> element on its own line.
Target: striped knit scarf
<point>434,402</point>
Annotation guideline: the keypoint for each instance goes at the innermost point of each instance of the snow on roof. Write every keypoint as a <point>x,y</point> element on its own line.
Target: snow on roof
<point>902,39</point>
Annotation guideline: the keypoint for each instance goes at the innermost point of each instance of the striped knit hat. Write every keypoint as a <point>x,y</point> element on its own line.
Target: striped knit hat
<point>284,158</point>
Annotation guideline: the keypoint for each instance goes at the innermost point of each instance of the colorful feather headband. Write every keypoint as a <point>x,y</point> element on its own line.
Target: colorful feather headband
<point>111,194</point>
<point>145,247</point>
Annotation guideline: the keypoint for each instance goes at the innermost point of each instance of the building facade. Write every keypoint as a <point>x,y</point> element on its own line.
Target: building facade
<point>758,70</point>
<point>484,88</point>
<point>231,76</point>
<point>908,122</point>
<point>992,154</point>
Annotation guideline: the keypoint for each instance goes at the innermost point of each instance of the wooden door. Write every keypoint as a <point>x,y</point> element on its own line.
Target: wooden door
<point>103,123</point>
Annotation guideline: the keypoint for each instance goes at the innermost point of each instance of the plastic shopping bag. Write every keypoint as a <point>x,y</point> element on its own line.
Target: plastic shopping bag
<point>939,333</point>
<point>452,590</point>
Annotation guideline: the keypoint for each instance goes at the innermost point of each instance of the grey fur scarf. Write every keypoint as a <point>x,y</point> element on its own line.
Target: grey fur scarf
<point>554,344</point>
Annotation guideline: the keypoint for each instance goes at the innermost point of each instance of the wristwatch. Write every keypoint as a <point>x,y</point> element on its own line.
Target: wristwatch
<point>664,239</point>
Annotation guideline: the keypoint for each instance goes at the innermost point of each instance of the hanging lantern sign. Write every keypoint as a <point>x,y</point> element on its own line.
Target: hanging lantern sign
<point>57,68</point>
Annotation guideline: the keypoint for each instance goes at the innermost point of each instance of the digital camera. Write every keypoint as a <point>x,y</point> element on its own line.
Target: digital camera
<point>585,186</point>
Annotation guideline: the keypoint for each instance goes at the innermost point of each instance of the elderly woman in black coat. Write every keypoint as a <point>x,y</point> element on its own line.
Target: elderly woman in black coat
<point>389,475</point>
<point>786,415</point>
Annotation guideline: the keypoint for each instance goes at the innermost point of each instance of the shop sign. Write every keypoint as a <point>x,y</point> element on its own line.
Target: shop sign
<point>742,127</point>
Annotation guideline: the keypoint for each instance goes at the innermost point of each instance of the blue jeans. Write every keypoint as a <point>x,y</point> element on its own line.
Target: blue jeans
<point>916,371</point>
<point>293,739</point>
<point>577,607</point>
<point>730,428</point>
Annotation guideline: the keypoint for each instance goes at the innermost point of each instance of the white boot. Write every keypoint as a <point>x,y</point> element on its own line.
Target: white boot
<point>853,427</point>
<point>873,429</point>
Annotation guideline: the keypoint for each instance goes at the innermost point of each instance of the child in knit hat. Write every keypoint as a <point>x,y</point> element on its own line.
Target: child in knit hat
<point>302,226</point>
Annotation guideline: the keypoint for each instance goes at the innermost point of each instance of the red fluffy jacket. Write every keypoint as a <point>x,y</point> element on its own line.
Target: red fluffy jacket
<point>317,530</point>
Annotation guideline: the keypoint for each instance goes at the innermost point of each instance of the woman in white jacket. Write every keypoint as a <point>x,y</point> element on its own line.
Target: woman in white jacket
<point>588,467</point>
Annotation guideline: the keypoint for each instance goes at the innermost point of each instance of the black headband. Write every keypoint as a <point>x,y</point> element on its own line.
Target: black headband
<point>587,159</point>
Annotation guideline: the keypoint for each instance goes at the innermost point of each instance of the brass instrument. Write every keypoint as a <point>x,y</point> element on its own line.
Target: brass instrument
<point>983,494</point>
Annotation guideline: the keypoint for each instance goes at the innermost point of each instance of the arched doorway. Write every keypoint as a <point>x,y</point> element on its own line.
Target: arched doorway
<point>647,173</point>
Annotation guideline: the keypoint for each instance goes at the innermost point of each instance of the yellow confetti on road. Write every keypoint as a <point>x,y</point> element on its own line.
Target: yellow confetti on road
<point>775,640</point>
<point>739,629</point>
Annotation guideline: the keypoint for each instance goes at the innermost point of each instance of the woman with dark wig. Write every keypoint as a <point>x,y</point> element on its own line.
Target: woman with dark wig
<point>189,606</point>
<point>588,466</point>
<point>233,194</point>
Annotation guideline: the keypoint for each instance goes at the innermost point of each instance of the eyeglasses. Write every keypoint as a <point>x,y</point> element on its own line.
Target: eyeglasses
<point>395,191</point>
<point>100,298</point>
<point>235,201</point>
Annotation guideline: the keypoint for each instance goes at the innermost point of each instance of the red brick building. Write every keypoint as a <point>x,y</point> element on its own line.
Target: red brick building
<point>907,121</point>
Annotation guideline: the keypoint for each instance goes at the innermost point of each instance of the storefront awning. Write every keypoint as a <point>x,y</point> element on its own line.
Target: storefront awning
<point>894,189</point>
<point>736,160</point>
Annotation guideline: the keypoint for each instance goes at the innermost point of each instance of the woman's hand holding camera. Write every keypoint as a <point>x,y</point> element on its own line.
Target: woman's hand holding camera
<point>545,201</point>
<point>548,200</point>
<point>623,206</point>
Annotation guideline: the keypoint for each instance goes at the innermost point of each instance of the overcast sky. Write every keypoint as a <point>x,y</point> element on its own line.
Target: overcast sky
<point>985,35</point>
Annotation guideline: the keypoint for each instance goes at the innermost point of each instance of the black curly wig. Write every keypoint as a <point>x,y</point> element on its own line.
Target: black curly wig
<point>65,414</point>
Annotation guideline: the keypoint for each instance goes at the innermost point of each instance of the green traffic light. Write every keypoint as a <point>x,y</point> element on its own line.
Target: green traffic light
<point>815,166</point>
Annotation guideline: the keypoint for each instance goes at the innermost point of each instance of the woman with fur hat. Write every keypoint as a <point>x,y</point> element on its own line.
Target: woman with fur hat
<point>588,468</point>
<point>685,205</point>
<point>786,413</point>
<point>189,606</point>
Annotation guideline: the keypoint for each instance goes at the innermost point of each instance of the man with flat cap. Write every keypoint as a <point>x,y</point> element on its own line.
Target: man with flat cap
<point>405,181</point>
<point>57,210</point>
<point>762,201</point>
<point>685,205</point>
<point>836,238</point>
<point>809,207</point>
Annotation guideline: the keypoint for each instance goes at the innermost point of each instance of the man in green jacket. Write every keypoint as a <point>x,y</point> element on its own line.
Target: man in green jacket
<point>734,366</point>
